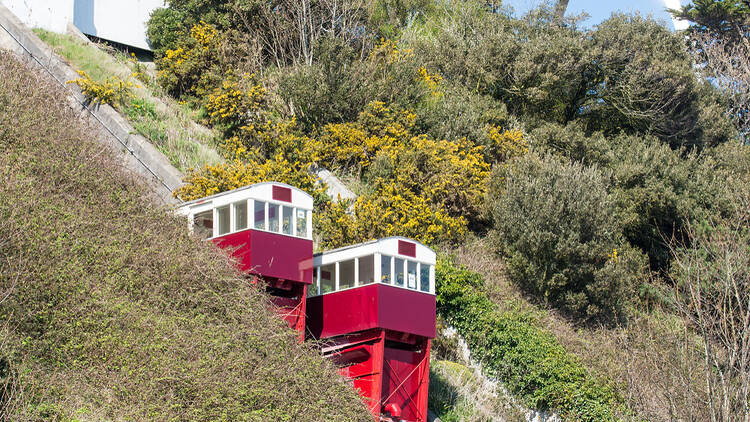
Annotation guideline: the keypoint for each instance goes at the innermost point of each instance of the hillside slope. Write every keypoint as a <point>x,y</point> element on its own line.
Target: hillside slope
<point>110,310</point>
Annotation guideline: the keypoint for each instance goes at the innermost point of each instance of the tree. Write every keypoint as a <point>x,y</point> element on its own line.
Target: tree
<point>560,8</point>
<point>725,18</point>
<point>720,45</point>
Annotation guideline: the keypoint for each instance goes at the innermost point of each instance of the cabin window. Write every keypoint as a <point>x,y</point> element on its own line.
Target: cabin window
<point>424,277</point>
<point>260,215</point>
<point>203,224</point>
<point>398,269</point>
<point>301,223</point>
<point>346,274</point>
<point>286,220</point>
<point>411,275</point>
<point>240,215</point>
<point>366,269</point>
<point>273,217</point>
<point>222,214</point>
<point>385,269</point>
<point>327,278</point>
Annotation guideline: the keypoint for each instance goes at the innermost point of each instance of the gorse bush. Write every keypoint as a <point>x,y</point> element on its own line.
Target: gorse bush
<point>557,226</point>
<point>194,67</point>
<point>389,211</point>
<point>236,102</point>
<point>235,174</point>
<point>511,347</point>
<point>113,90</point>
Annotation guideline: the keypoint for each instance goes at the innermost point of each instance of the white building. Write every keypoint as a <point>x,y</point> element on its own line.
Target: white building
<point>121,21</point>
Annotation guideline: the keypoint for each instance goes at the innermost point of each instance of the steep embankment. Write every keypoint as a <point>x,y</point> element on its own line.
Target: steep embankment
<point>110,310</point>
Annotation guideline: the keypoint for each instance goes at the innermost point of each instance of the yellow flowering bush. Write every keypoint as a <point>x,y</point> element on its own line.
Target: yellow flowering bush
<point>432,80</point>
<point>279,136</point>
<point>450,174</point>
<point>505,144</point>
<point>222,177</point>
<point>390,211</point>
<point>113,91</point>
<point>235,102</point>
<point>191,67</point>
<point>353,146</point>
<point>388,51</point>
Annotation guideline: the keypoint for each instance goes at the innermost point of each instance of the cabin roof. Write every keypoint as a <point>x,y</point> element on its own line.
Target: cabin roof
<point>248,187</point>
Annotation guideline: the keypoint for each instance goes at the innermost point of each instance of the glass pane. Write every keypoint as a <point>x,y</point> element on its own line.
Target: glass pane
<point>399,270</point>
<point>286,220</point>
<point>346,277</point>
<point>203,224</point>
<point>273,217</point>
<point>223,216</point>
<point>385,269</point>
<point>327,278</point>
<point>301,223</point>
<point>366,269</point>
<point>312,290</point>
<point>260,215</point>
<point>240,215</point>
<point>424,277</point>
<point>411,275</point>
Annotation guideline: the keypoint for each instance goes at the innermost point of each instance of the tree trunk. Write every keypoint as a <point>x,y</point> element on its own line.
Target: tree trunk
<point>560,8</point>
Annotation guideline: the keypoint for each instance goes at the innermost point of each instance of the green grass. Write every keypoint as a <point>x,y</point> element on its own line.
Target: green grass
<point>170,127</point>
<point>111,310</point>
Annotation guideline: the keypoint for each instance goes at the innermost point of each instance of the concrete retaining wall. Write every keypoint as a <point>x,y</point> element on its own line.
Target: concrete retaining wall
<point>136,152</point>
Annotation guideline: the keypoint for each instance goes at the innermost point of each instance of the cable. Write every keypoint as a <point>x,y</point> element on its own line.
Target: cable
<point>83,104</point>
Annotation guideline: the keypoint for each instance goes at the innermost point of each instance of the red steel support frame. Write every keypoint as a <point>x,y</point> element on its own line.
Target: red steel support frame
<point>374,368</point>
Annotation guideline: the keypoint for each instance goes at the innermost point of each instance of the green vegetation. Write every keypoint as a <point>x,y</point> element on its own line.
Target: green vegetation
<point>558,246</point>
<point>580,160</point>
<point>511,346</point>
<point>172,129</point>
<point>111,310</point>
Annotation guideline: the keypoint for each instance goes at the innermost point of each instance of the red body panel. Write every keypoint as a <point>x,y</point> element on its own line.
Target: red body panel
<point>372,306</point>
<point>283,263</point>
<point>270,255</point>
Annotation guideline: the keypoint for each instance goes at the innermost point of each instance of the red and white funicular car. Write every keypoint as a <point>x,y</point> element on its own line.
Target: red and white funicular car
<point>268,228</point>
<point>374,304</point>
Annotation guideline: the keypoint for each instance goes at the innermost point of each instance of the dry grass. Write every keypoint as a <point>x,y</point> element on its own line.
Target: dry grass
<point>654,360</point>
<point>114,311</point>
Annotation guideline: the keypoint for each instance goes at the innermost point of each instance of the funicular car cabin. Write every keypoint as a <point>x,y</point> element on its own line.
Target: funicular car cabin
<point>268,229</point>
<point>374,305</point>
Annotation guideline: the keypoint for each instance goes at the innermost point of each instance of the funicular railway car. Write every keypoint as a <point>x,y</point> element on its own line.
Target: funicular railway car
<point>373,304</point>
<point>268,229</point>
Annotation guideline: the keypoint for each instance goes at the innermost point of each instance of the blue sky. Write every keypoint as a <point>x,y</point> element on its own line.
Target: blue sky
<point>599,10</point>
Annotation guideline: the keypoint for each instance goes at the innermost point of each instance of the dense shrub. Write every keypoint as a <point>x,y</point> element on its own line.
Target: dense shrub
<point>656,189</point>
<point>193,67</point>
<point>511,347</point>
<point>558,227</point>
<point>235,174</point>
<point>389,211</point>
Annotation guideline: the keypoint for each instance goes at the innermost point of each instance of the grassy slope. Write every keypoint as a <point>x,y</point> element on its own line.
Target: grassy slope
<point>170,127</point>
<point>111,310</point>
